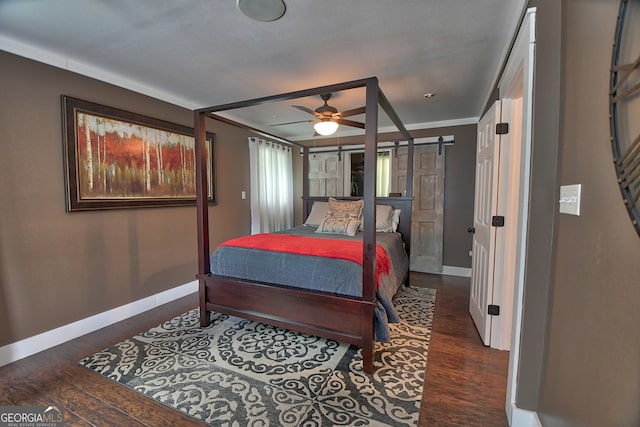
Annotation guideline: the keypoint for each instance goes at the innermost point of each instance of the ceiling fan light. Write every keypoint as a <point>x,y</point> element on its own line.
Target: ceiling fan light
<point>326,127</point>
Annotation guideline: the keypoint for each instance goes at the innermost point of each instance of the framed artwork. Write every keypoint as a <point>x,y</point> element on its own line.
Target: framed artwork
<point>118,159</point>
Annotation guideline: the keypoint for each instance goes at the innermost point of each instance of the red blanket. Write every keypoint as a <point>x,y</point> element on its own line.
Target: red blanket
<point>350,250</point>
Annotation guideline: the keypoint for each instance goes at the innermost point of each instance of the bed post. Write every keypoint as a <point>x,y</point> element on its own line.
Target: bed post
<point>386,106</point>
<point>409,195</point>
<point>306,208</point>
<point>202,207</point>
<point>369,215</point>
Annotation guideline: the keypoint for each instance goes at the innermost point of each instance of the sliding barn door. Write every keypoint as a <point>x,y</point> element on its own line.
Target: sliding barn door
<point>427,217</point>
<point>326,175</point>
<point>399,171</point>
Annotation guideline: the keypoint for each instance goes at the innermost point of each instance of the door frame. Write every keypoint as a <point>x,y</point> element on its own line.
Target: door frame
<point>520,69</point>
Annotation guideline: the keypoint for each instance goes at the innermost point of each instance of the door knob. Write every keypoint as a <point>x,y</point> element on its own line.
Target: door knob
<point>471,230</point>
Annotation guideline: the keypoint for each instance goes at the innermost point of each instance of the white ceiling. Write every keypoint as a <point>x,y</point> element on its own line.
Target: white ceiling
<point>200,53</point>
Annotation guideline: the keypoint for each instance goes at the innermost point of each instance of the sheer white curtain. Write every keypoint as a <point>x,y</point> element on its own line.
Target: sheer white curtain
<point>382,174</point>
<point>271,186</point>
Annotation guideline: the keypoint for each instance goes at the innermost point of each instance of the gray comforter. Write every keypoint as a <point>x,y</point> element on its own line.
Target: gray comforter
<point>318,273</point>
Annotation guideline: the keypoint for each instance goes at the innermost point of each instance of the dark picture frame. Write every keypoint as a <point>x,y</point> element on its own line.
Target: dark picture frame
<point>118,159</point>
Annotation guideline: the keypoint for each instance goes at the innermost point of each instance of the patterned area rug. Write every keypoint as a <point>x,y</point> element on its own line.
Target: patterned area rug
<point>241,373</point>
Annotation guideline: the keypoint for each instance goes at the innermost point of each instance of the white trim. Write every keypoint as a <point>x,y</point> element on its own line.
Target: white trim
<point>58,60</point>
<point>448,270</point>
<point>434,125</point>
<point>524,418</point>
<point>524,49</point>
<point>37,343</point>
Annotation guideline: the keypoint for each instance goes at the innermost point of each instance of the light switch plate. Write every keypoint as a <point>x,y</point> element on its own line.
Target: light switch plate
<point>570,199</point>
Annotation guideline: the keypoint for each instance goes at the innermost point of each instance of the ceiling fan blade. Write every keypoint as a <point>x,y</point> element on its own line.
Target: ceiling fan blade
<point>353,112</point>
<point>349,123</point>
<point>305,109</point>
<point>291,123</point>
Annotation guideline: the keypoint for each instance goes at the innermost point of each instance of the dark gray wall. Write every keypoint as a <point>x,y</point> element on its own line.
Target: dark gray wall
<point>57,267</point>
<point>590,373</point>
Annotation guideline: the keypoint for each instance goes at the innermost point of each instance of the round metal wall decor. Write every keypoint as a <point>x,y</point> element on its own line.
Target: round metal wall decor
<point>624,106</point>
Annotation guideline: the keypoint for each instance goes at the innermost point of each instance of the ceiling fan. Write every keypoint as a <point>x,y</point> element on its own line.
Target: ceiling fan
<point>328,117</point>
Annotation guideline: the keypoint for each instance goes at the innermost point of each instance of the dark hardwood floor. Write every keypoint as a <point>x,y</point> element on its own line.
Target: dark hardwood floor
<point>466,382</point>
<point>464,386</point>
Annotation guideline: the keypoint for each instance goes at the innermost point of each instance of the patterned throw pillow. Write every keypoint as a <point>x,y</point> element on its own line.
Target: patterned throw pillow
<point>345,208</point>
<point>337,225</point>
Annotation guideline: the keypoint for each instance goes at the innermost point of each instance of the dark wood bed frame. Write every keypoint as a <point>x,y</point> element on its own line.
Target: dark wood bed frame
<point>345,319</point>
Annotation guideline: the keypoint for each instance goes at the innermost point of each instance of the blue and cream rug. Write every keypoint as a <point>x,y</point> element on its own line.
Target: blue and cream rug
<point>241,373</point>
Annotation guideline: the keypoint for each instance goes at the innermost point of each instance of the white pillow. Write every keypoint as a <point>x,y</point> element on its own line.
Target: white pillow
<point>384,216</point>
<point>318,212</point>
<point>395,220</point>
<point>339,225</point>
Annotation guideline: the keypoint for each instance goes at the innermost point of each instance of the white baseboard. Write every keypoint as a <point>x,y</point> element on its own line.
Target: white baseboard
<point>456,271</point>
<point>37,343</point>
<point>524,418</point>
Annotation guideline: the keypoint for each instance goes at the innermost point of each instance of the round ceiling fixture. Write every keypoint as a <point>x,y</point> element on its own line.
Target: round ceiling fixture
<point>262,10</point>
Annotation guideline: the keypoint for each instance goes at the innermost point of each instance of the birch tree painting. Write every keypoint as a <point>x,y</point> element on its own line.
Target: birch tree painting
<point>117,159</point>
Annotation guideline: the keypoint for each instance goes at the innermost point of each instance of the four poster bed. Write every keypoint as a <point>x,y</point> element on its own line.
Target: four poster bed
<point>270,283</point>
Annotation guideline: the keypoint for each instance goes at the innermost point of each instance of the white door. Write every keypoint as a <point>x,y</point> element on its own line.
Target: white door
<point>508,205</point>
<point>484,237</point>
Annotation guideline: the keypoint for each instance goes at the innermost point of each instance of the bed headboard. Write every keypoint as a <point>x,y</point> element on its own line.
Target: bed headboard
<point>402,203</point>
